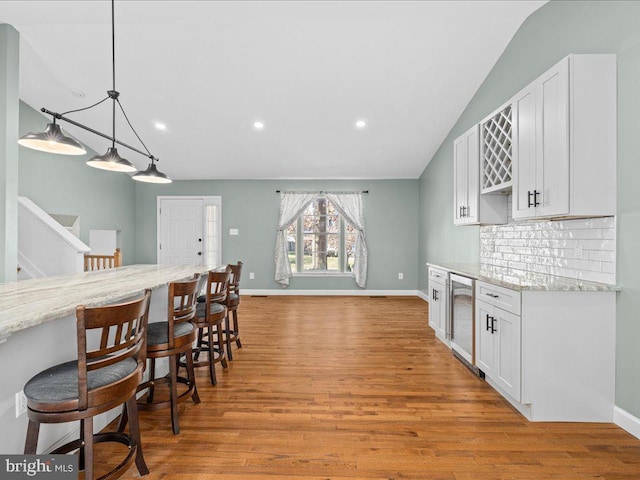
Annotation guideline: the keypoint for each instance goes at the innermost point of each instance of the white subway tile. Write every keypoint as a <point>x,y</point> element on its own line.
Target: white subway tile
<point>550,247</point>
<point>602,256</point>
<point>607,245</point>
<point>599,277</point>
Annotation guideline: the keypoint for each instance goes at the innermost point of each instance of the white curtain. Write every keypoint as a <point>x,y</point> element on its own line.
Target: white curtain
<point>350,207</point>
<point>291,206</point>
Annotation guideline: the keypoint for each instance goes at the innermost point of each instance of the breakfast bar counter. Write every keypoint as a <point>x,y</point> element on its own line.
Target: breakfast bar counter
<point>28,303</point>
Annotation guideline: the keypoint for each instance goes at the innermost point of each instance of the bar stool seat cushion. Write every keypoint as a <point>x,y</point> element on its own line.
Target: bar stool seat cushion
<point>233,299</point>
<point>215,308</point>
<point>60,382</point>
<point>158,332</point>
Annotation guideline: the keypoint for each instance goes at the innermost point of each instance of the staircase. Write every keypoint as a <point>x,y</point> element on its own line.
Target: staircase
<point>45,247</point>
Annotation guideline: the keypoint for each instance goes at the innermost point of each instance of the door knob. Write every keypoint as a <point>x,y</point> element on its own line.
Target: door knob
<point>199,253</point>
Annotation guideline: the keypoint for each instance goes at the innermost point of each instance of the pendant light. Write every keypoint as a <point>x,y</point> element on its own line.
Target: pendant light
<point>151,175</point>
<point>53,140</point>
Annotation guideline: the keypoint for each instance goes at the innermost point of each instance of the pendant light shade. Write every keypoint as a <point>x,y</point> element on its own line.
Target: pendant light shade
<point>151,175</point>
<point>111,161</point>
<point>52,140</point>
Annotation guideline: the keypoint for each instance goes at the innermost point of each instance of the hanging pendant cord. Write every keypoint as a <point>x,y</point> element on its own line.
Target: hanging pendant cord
<point>113,69</point>
<point>86,108</point>
<point>113,45</point>
<point>134,131</point>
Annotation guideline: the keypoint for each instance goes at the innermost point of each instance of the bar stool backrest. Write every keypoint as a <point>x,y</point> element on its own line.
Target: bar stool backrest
<point>183,298</point>
<point>123,333</point>
<point>234,281</point>
<point>217,284</point>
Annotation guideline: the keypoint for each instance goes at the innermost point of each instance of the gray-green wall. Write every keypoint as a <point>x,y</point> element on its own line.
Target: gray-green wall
<point>9,61</point>
<point>63,184</point>
<point>552,32</point>
<point>391,211</point>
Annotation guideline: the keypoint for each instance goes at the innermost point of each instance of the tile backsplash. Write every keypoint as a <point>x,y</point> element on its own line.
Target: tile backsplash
<point>584,249</point>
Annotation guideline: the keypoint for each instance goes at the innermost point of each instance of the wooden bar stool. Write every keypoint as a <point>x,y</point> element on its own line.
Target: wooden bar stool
<point>210,315</point>
<point>171,339</point>
<point>102,378</point>
<point>231,330</point>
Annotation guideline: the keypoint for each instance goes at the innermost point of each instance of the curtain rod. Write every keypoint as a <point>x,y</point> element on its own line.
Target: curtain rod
<point>319,192</point>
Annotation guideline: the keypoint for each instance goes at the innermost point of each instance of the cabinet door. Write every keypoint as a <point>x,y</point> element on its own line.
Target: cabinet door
<point>524,153</point>
<point>484,338</point>
<point>472,209</point>
<point>459,179</point>
<point>441,301</point>
<point>433,308</point>
<point>507,351</point>
<point>552,125</point>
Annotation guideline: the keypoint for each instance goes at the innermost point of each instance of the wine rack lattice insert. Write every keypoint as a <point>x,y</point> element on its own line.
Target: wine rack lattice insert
<point>496,150</point>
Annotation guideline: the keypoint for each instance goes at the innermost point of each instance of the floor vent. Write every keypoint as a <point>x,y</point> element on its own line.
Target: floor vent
<point>377,296</point>
<point>259,296</point>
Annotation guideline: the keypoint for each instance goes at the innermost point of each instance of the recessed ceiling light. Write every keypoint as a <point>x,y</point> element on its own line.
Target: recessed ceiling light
<point>258,125</point>
<point>160,126</point>
<point>361,124</point>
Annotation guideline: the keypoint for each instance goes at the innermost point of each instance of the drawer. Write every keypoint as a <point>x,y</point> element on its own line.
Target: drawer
<point>437,275</point>
<point>500,297</point>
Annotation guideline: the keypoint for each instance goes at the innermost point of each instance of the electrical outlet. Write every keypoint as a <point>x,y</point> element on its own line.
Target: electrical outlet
<point>252,276</point>
<point>233,231</point>
<point>401,276</point>
<point>21,404</point>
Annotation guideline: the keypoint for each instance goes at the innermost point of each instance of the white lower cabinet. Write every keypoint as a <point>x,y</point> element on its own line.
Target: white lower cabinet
<point>550,353</point>
<point>498,347</point>
<point>439,302</point>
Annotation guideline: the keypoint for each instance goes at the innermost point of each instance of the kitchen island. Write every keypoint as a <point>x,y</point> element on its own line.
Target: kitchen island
<point>38,330</point>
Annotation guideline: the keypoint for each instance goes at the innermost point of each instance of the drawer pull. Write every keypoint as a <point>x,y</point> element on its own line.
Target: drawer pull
<point>493,295</point>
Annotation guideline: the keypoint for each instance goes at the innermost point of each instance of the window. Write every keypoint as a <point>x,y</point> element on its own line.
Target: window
<point>320,240</point>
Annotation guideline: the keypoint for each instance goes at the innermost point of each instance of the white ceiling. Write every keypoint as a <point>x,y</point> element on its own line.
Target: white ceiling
<point>307,69</point>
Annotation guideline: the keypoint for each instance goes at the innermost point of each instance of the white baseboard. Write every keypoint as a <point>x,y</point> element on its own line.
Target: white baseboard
<point>626,421</point>
<point>365,293</point>
<point>422,295</point>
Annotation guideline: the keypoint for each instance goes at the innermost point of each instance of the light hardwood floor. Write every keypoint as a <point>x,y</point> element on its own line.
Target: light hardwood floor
<point>359,388</point>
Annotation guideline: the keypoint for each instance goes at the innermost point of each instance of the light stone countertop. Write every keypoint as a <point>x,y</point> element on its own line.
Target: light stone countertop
<point>522,280</point>
<point>28,303</point>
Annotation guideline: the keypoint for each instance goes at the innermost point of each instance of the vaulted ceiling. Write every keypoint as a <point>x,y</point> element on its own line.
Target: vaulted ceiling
<point>308,70</point>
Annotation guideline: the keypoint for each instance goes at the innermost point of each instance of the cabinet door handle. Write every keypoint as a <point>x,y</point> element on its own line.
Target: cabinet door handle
<point>464,211</point>
<point>435,295</point>
<point>493,323</point>
<point>460,214</point>
<point>492,295</point>
<point>529,195</point>
<point>488,327</point>
<point>535,198</point>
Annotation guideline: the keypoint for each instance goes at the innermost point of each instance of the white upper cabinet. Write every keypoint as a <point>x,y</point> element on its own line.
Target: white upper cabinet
<point>564,141</point>
<point>471,208</point>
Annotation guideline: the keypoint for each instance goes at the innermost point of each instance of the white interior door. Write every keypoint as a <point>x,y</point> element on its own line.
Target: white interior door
<point>180,225</point>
